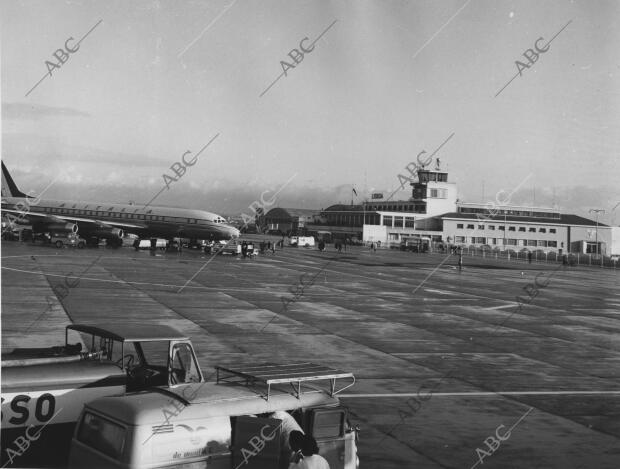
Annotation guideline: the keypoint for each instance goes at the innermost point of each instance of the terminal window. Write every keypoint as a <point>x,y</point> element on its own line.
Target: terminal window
<point>532,230</point>
<point>459,226</point>
<point>481,227</point>
<point>470,227</point>
<point>551,230</point>
<point>491,227</point>
<point>522,228</point>
<point>511,228</point>
<point>501,228</point>
<point>542,230</point>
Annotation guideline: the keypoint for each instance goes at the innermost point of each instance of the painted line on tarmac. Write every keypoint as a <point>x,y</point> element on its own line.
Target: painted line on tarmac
<point>501,306</point>
<point>104,280</point>
<point>441,292</point>
<point>487,393</point>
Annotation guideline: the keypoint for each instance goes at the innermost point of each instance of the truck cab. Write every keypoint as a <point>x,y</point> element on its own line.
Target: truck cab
<point>48,387</point>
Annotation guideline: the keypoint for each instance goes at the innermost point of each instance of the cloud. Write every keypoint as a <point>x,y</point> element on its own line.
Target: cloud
<point>36,112</point>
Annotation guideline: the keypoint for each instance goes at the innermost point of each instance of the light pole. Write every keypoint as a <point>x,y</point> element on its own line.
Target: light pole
<point>597,211</point>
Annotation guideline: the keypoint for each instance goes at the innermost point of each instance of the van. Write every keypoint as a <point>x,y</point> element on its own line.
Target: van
<point>305,241</point>
<point>227,424</point>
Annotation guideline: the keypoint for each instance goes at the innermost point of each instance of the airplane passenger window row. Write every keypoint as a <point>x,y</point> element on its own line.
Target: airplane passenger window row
<point>135,216</point>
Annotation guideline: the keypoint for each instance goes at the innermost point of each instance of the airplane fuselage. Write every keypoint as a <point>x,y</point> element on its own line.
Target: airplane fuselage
<point>145,221</point>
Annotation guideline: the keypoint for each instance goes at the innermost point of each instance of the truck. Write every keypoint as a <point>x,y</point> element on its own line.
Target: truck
<point>134,396</point>
<point>233,422</point>
<point>48,387</point>
<point>298,241</point>
<point>60,239</point>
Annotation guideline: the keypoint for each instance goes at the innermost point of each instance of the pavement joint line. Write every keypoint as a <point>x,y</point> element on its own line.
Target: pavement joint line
<point>484,394</point>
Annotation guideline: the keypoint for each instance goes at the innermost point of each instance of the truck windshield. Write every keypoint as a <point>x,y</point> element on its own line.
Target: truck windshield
<point>102,434</point>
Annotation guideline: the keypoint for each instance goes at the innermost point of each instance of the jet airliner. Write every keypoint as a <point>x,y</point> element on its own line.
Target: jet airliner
<point>109,221</point>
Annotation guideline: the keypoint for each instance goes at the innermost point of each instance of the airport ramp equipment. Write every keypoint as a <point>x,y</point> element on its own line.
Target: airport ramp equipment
<point>295,374</point>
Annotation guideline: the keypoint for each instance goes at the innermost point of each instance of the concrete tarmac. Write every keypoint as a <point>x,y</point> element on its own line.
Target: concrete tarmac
<point>446,361</point>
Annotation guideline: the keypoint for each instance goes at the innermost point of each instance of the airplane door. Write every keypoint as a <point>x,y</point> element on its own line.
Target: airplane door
<point>256,443</point>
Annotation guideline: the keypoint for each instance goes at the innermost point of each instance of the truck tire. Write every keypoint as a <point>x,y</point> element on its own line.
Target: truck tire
<point>81,245</point>
<point>58,244</point>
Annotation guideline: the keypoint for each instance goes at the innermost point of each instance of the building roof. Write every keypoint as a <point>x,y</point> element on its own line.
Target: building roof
<point>292,212</point>
<point>565,219</point>
<point>344,208</point>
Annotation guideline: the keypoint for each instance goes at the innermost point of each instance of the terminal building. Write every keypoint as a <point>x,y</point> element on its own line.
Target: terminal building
<point>433,216</point>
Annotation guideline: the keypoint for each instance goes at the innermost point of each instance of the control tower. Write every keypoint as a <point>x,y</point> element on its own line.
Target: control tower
<point>432,194</point>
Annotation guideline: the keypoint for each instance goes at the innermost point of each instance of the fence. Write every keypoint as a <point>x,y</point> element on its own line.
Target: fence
<point>540,256</point>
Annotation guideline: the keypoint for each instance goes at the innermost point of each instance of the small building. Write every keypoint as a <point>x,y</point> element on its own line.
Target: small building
<point>289,221</point>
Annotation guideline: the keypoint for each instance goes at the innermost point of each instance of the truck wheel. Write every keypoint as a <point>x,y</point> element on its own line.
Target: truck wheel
<point>81,245</point>
<point>58,244</point>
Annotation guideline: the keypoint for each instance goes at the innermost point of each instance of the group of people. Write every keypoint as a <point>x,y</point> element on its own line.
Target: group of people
<point>267,246</point>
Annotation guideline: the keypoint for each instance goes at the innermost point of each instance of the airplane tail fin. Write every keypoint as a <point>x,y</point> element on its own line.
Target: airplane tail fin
<point>9,188</point>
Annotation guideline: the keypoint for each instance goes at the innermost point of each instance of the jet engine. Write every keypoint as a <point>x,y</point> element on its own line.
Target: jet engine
<point>63,227</point>
<point>107,233</point>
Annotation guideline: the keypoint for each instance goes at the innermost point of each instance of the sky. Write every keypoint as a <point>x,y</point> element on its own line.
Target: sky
<point>385,81</point>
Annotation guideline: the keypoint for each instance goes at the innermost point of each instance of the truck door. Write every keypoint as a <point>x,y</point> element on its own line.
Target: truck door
<point>327,427</point>
<point>256,443</point>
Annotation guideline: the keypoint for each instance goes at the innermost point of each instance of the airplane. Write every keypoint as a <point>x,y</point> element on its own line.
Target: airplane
<point>109,221</point>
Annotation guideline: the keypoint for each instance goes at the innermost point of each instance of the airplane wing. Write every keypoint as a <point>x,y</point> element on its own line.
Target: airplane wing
<point>86,222</point>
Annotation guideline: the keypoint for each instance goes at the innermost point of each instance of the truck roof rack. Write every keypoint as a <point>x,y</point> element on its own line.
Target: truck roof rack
<point>293,374</point>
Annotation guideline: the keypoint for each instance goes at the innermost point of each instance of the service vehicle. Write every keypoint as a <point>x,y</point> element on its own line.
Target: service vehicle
<point>48,387</point>
<point>161,244</point>
<point>231,247</point>
<point>60,239</point>
<point>415,244</point>
<point>227,424</point>
<point>305,241</point>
